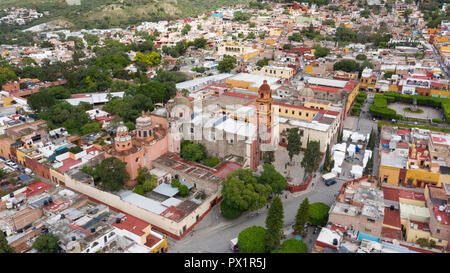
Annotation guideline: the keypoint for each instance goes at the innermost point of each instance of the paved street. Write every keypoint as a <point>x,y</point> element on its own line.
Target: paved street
<point>213,235</point>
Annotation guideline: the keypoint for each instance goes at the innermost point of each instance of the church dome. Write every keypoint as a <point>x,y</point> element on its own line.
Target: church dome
<point>122,128</point>
<point>306,92</point>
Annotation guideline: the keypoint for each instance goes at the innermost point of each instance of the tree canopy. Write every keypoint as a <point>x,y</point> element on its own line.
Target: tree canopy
<point>48,243</point>
<point>302,216</point>
<point>252,240</point>
<point>4,246</point>
<point>318,213</point>
<point>312,157</point>
<point>241,190</point>
<point>294,142</point>
<point>112,173</point>
<point>292,246</point>
<point>270,176</point>
<point>274,224</point>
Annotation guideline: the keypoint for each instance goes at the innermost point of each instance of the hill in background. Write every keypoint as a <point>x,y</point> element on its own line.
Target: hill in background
<point>117,13</point>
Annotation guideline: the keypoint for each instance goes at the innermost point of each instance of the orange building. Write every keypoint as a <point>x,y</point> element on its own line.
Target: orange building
<point>149,141</point>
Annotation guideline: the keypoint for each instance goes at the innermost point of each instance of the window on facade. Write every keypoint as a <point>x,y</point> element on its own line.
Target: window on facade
<point>370,220</point>
<point>192,129</point>
<point>184,229</point>
<point>279,109</point>
<point>438,230</point>
<point>301,133</point>
<point>307,114</point>
<point>293,112</point>
<point>139,133</point>
<point>137,159</point>
<point>145,133</point>
<point>181,114</point>
<point>286,111</point>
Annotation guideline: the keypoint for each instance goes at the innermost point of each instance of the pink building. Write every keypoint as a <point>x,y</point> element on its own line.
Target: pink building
<point>148,142</point>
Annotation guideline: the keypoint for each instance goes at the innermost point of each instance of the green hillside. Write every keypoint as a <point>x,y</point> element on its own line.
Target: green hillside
<point>116,13</point>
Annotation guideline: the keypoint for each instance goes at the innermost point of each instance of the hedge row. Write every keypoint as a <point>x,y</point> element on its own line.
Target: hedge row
<point>381,123</point>
<point>379,108</point>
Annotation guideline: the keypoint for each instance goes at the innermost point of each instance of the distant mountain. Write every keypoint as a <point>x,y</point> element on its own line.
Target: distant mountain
<point>117,13</point>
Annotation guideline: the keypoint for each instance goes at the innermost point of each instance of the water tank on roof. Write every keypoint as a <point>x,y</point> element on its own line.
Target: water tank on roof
<point>92,230</point>
<point>335,242</point>
<point>63,216</point>
<point>117,220</point>
<point>73,238</point>
<point>392,207</point>
<point>11,195</point>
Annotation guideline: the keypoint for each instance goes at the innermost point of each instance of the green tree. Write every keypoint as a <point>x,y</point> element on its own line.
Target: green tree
<point>139,189</point>
<point>346,65</point>
<point>321,51</point>
<point>150,184</point>
<point>388,75</point>
<point>296,37</point>
<point>242,191</point>
<point>340,135</point>
<point>227,64</point>
<point>312,156</point>
<point>192,152</point>
<point>92,127</point>
<point>361,57</point>
<point>112,173</point>
<point>369,167</point>
<point>252,240</point>
<point>200,42</point>
<point>302,216</point>
<point>186,29</point>
<point>292,246</point>
<point>294,142</point>
<point>274,224</point>
<point>183,190</point>
<point>4,246</point>
<point>153,58</point>
<point>327,161</point>
<point>229,212</point>
<point>372,139</point>
<point>263,62</point>
<point>48,243</point>
<point>318,214</point>
<point>270,176</point>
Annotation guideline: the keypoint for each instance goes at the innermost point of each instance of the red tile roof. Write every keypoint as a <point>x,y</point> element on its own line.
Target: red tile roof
<point>226,169</point>
<point>131,224</point>
<point>36,188</point>
<point>391,233</point>
<point>392,217</point>
<point>411,195</point>
<point>68,163</point>
<point>390,194</point>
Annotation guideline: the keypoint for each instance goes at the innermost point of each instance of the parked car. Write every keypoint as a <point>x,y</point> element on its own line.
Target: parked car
<point>330,182</point>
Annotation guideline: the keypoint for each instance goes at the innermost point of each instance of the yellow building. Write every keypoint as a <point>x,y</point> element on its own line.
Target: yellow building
<point>252,82</point>
<point>440,93</point>
<point>291,111</point>
<point>237,50</point>
<point>389,175</point>
<point>352,96</point>
<point>368,80</point>
<point>276,71</point>
<point>418,177</point>
<point>274,32</point>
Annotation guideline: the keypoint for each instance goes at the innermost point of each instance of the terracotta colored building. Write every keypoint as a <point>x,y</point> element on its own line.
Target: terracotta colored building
<point>149,141</point>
